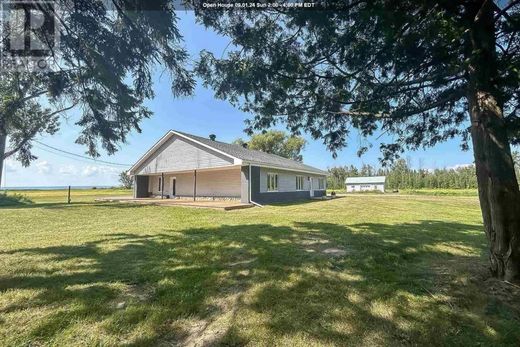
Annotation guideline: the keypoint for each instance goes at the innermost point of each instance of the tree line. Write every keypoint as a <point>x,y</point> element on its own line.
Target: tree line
<point>402,176</point>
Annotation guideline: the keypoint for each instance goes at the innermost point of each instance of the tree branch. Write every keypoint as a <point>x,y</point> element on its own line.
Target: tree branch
<point>30,135</point>
<point>503,12</point>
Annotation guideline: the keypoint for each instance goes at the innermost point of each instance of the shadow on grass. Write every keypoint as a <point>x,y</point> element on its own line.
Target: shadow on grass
<point>303,201</point>
<point>63,205</point>
<point>14,200</point>
<point>394,284</point>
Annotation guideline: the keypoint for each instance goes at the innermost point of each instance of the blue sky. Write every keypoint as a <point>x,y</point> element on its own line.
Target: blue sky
<point>200,114</point>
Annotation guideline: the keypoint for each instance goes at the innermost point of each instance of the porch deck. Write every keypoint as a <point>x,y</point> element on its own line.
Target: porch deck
<point>215,204</point>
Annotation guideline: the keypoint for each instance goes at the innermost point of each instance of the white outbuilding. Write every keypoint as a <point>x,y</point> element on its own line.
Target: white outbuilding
<point>359,184</point>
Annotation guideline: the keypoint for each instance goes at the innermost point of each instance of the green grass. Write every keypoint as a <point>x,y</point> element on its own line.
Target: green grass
<point>412,272</point>
<point>440,192</point>
<point>60,196</point>
<point>422,191</point>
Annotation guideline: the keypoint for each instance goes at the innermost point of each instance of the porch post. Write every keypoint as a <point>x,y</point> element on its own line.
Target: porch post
<point>194,184</point>
<point>162,185</point>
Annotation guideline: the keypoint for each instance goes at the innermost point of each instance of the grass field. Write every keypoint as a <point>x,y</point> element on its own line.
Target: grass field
<point>422,191</point>
<point>359,270</point>
<point>440,192</point>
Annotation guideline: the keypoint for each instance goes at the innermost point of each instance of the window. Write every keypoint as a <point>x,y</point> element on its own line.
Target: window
<point>272,182</point>
<point>299,182</point>
<point>160,184</point>
<point>321,183</point>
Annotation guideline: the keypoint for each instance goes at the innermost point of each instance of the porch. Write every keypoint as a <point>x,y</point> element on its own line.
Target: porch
<point>220,183</point>
<point>225,205</point>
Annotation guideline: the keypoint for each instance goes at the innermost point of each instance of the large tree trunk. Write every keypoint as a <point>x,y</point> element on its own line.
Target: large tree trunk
<point>497,185</point>
<point>3,141</point>
<point>498,188</point>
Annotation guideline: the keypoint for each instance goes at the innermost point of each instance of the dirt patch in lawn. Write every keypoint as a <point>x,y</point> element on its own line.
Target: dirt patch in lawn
<point>501,292</point>
<point>221,312</point>
<point>210,331</point>
<point>318,244</point>
<point>133,292</point>
<point>334,252</point>
<point>459,281</point>
<point>241,262</point>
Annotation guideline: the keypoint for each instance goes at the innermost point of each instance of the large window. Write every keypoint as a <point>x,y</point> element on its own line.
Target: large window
<point>272,182</point>
<point>321,183</point>
<point>299,182</point>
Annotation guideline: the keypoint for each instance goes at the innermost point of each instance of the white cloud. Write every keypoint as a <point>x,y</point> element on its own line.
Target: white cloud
<point>48,173</point>
<point>43,167</point>
<point>11,165</point>
<point>68,169</point>
<point>95,170</point>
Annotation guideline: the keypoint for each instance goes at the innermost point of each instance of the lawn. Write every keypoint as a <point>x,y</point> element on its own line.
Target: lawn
<point>421,191</point>
<point>358,270</point>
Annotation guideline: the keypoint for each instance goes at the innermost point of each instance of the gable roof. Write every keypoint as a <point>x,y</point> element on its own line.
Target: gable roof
<point>240,154</point>
<point>362,180</point>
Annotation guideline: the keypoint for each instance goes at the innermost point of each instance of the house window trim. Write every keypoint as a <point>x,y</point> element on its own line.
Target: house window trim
<point>276,182</point>
<point>321,183</point>
<point>302,186</point>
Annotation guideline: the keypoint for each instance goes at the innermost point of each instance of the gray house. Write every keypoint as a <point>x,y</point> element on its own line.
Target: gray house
<point>359,184</point>
<point>181,165</point>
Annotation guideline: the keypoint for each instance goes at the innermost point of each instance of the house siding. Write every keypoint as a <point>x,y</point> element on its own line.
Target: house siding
<point>244,184</point>
<point>221,183</point>
<point>178,154</point>
<point>287,180</point>
<point>361,187</point>
<point>214,183</point>
<point>286,186</point>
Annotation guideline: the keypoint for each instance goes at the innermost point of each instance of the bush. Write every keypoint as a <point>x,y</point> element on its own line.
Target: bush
<point>14,200</point>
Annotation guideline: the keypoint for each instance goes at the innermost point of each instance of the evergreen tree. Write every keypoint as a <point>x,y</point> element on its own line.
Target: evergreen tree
<point>424,71</point>
<point>101,67</point>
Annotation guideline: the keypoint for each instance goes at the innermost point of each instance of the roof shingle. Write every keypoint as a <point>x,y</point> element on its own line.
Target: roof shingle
<point>256,157</point>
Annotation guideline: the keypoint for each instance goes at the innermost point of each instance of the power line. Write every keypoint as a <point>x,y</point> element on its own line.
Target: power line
<point>62,155</point>
<point>77,155</point>
<point>81,156</point>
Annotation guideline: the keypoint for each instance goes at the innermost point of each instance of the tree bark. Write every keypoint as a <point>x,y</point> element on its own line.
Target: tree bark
<point>3,141</point>
<point>498,188</point>
<point>497,184</point>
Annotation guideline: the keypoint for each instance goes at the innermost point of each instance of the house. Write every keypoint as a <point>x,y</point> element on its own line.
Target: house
<point>358,184</point>
<point>182,165</point>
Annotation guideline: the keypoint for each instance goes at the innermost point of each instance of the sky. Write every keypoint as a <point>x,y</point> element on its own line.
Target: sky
<point>202,114</point>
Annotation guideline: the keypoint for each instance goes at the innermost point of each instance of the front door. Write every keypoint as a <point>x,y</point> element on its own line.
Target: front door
<point>311,187</point>
<point>172,185</point>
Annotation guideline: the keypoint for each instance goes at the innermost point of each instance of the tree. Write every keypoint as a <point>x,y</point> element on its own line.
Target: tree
<point>276,142</point>
<point>241,142</point>
<point>337,175</point>
<point>516,161</point>
<point>424,71</point>
<point>401,176</point>
<point>101,66</point>
<point>126,181</point>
